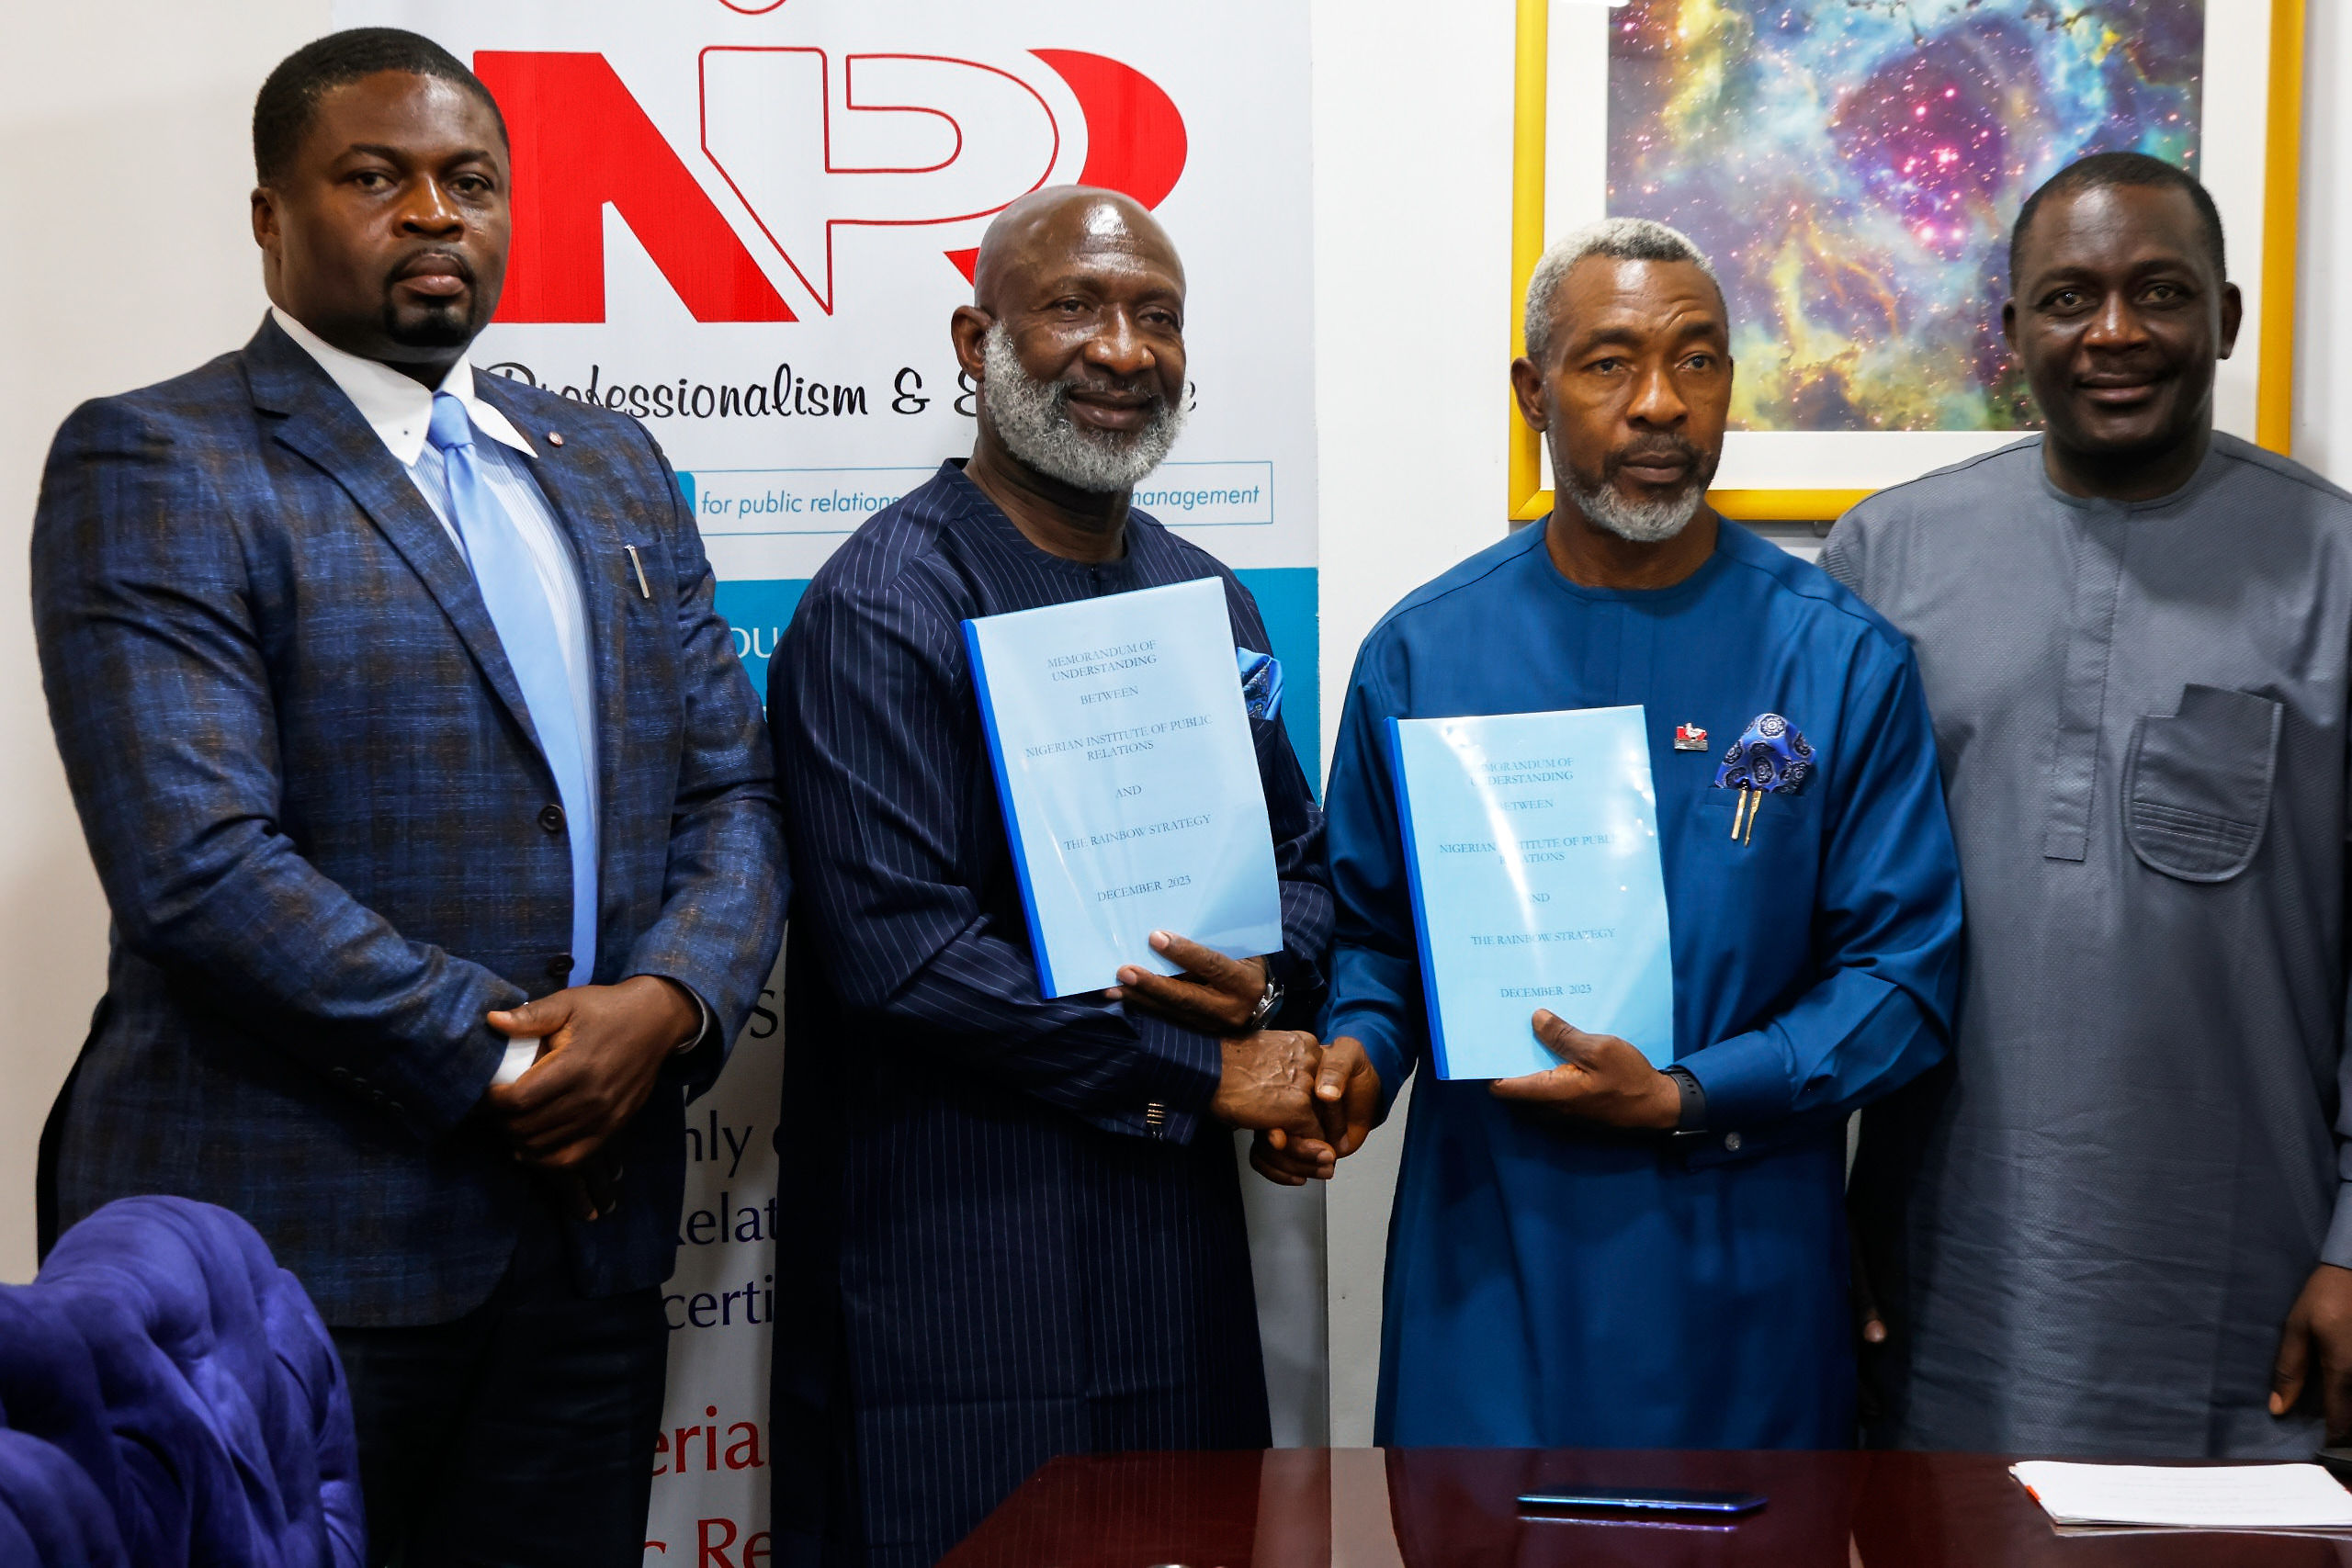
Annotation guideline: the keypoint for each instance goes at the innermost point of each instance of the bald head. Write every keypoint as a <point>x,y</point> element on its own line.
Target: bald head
<point>1050,229</point>
<point>1076,337</point>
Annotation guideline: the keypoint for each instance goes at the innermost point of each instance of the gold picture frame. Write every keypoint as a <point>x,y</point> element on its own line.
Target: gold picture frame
<point>2274,327</point>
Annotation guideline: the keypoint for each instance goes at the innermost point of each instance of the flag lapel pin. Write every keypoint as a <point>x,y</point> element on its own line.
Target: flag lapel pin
<point>1690,737</point>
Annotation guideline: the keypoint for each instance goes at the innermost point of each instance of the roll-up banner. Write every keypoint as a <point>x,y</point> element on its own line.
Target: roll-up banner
<point>746,223</point>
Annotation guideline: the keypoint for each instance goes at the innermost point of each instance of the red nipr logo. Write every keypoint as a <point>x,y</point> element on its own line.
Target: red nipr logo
<point>580,142</point>
<point>886,141</point>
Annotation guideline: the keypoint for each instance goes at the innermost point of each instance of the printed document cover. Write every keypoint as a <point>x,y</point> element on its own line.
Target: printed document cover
<point>1532,843</point>
<point>1128,779</point>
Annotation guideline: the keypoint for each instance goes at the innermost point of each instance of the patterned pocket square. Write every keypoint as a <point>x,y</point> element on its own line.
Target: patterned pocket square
<point>1770,755</point>
<point>1261,682</point>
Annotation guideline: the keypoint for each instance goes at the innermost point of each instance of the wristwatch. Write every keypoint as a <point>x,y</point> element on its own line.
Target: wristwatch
<point>1268,1005</point>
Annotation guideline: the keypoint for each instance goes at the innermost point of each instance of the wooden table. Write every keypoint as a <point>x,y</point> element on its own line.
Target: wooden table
<point>1456,1508</point>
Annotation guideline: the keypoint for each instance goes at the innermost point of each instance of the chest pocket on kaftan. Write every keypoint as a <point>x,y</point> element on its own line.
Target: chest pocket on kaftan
<point>2196,783</point>
<point>1768,837</point>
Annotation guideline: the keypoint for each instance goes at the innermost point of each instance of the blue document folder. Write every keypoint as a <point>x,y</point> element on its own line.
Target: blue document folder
<point>1532,844</point>
<point>1128,780</point>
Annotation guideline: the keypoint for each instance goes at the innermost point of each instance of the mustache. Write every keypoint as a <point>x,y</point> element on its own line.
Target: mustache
<point>1143,388</point>
<point>449,260</point>
<point>1655,447</point>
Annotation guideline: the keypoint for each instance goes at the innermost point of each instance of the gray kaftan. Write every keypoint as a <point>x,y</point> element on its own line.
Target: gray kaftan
<point>2087,1228</point>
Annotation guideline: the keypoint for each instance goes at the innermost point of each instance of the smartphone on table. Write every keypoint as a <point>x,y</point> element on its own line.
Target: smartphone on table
<point>1645,1500</point>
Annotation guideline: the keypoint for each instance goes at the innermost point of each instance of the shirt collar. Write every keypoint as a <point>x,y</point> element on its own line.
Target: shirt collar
<point>399,408</point>
<point>1139,538</point>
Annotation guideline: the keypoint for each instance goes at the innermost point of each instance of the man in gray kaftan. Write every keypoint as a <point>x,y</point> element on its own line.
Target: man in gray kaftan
<point>2115,1222</point>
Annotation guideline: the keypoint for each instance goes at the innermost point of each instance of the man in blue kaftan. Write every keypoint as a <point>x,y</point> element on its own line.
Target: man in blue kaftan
<point>1603,1254</point>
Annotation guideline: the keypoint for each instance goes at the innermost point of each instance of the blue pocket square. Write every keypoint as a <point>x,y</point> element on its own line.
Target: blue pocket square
<point>1261,682</point>
<point>1770,755</point>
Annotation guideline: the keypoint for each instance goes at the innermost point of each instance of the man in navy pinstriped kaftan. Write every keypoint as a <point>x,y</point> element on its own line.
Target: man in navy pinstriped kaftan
<point>1021,1230</point>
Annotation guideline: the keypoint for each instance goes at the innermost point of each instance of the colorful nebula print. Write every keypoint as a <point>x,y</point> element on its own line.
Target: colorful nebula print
<point>1852,168</point>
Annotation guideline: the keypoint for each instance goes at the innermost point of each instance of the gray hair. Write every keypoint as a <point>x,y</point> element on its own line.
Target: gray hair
<point>1618,238</point>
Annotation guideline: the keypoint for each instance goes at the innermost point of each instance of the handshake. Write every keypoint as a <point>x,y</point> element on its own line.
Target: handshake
<point>1309,1103</point>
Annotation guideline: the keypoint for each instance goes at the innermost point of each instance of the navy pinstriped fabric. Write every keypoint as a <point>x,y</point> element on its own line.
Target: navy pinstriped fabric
<point>319,809</point>
<point>1004,1253</point>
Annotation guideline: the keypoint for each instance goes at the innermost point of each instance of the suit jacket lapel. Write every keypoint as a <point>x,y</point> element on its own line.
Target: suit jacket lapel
<point>320,422</point>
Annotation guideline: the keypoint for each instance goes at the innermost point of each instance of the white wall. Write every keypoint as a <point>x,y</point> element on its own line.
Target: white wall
<point>2324,334</point>
<point>124,153</point>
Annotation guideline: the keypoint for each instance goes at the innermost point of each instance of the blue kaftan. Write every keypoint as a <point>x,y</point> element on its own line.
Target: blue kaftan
<point>1551,1285</point>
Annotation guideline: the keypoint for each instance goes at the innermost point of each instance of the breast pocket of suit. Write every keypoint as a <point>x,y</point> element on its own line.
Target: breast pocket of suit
<point>2196,783</point>
<point>644,574</point>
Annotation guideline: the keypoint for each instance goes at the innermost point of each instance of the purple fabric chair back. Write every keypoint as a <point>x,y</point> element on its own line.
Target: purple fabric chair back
<point>164,1368</point>
<point>51,1512</point>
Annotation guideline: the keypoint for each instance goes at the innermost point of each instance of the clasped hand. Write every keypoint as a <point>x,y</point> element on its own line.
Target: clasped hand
<point>601,1048</point>
<point>1309,1104</point>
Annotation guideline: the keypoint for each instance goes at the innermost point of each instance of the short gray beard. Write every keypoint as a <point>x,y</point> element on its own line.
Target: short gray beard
<point>1032,418</point>
<point>1644,523</point>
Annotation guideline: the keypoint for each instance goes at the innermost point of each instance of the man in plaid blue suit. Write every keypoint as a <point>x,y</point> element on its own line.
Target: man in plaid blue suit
<point>435,814</point>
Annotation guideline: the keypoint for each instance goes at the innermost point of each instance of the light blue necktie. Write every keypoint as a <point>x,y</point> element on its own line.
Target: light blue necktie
<point>509,581</point>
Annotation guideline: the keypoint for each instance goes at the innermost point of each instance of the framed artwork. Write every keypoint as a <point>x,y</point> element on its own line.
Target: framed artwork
<point>1851,168</point>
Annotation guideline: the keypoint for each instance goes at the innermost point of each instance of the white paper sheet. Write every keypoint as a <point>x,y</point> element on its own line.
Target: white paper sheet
<point>2236,1496</point>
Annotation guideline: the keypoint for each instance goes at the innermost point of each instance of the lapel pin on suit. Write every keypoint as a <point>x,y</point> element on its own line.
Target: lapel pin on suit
<point>554,439</point>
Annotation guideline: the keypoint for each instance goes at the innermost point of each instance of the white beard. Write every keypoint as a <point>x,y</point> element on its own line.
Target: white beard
<point>1032,418</point>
